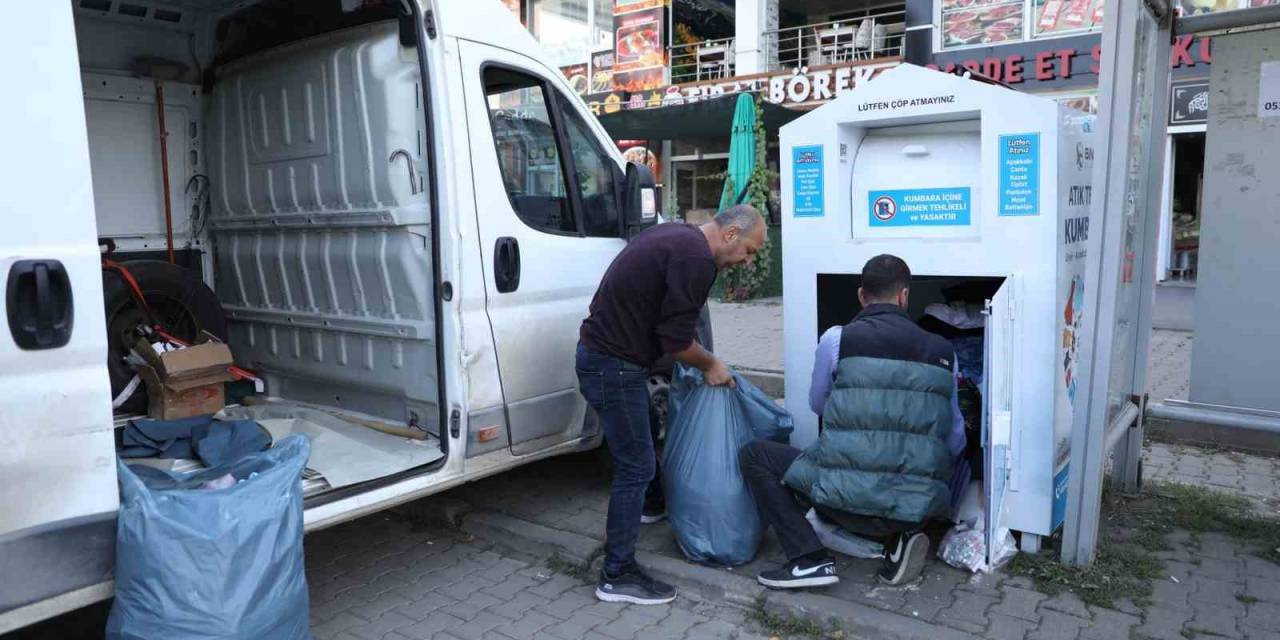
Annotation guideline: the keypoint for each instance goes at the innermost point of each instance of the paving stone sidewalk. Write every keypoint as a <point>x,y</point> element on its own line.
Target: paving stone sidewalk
<point>385,578</point>
<point>1215,586</point>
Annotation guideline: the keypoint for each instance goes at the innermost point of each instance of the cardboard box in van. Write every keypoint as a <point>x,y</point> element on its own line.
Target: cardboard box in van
<point>185,382</point>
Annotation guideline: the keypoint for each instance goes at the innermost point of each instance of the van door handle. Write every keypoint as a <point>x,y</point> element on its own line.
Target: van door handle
<point>506,264</point>
<point>39,304</point>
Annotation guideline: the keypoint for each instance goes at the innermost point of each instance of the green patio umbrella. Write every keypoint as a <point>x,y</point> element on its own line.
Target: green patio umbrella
<point>742,151</point>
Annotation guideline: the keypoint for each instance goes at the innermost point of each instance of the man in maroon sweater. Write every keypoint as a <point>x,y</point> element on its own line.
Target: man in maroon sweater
<point>647,306</point>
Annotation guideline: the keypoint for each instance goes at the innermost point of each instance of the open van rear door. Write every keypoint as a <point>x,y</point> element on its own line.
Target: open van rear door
<point>997,409</point>
<point>58,492</point>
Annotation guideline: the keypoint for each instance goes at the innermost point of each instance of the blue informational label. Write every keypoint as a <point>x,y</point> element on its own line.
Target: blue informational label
<point>808,175</point>
<point>946,206</point>
<point>1060,496</point>
<point>1020,174</point>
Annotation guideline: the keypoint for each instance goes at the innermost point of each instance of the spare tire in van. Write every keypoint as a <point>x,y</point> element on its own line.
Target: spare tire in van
<point>182,303</point>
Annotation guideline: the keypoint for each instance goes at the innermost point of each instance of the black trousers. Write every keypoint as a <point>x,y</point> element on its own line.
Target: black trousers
<point>763,464</point>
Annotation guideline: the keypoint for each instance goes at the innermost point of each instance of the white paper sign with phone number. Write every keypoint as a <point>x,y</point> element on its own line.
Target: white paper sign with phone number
<point>1269,90</point>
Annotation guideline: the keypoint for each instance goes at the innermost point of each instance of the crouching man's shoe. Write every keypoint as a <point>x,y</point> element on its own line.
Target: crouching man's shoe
<point>904,558</point>
<point>801,572</point>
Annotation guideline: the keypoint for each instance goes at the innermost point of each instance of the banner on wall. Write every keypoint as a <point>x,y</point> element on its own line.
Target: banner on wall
<point>576,74</point>
<point>601,79</point>
<point>787,87</point>
<point>640,50</point>
<point>638,151</point>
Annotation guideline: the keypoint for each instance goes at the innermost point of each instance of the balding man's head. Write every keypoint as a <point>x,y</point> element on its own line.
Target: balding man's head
<point>735,235</point>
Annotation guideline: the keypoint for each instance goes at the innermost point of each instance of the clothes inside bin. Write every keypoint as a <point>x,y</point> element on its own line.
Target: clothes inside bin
<point>214,442</point>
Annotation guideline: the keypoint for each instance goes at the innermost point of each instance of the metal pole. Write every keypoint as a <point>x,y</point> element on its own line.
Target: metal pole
<point>1226,418</point>
<point>1132,67</point>
<point>164,170</point>
<point>1226,20</point>
<point>1128,454</point>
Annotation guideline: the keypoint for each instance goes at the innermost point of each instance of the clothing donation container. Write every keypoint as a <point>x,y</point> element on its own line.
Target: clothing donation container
<point>985,193</point>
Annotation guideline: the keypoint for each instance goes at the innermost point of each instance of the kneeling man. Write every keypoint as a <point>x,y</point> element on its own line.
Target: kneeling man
<point>892,434</point>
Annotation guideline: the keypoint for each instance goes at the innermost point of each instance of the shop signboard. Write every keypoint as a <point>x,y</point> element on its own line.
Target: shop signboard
<point>789,88</point>
<point>1061,63</point>
<point>640,51</point>
<point>1189,103</point>
<point>576,74</point>
<point>601,72</point>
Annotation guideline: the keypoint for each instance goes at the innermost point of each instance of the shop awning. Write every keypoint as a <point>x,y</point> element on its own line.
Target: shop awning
<point>693,120</point>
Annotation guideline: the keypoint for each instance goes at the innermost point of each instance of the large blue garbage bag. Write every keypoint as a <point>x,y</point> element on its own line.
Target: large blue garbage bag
<point>711,510</point>
<point>205,564</point>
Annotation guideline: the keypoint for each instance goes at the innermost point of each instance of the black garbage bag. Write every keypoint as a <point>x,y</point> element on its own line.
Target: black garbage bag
<point>198,562</point>
<point>711,510</point>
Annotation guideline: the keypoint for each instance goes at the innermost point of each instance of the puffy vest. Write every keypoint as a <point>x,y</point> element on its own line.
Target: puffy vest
<point>883,451</point>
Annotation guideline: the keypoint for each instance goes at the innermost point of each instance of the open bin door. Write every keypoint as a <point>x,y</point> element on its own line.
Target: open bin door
<point>997,409</point>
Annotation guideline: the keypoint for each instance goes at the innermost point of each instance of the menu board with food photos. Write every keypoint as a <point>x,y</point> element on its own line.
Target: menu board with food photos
<point>966,22</point>
<point>601,80</point>
<point>1059,16</point>
<point>640,51</point>
<point>576,74</point>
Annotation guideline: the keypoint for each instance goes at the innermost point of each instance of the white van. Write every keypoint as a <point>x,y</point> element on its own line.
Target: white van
<point>402,212</point>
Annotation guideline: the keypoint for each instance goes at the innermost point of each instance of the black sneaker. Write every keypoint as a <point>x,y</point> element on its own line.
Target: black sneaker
<point>801,573</point>
<point>651,515</point>
<point>633,586</point>
<point>904,558</point>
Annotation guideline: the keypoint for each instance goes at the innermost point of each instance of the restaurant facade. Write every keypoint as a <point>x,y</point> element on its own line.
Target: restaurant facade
<point>657,73</point>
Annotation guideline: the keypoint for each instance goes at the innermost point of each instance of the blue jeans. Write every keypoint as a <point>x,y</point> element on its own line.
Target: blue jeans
<point>618,392</point>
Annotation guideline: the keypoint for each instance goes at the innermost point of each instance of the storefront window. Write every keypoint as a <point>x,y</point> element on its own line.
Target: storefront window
<point>968,22</point>
<point>562,28</point>
<point>1055,17</point>
<point>571,29</point>
<point>601,25</point>
<point>698,189</point>
<point>698,146</point>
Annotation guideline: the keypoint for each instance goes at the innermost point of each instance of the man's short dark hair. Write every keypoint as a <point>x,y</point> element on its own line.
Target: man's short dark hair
<point>884,276</point>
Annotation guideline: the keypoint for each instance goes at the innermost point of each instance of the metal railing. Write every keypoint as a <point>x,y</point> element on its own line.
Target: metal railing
<point>867,38</point>
<point>705,60</point>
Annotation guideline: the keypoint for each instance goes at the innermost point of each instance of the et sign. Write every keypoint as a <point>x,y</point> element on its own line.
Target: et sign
<point>1042,62</point>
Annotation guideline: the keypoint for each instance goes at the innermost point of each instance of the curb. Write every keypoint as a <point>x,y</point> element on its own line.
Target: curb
<point>858,620</point>
<point>529,536</point>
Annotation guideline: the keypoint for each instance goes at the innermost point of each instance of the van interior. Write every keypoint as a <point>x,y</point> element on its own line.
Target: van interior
<point>962,323</point>
<point>280,145</point>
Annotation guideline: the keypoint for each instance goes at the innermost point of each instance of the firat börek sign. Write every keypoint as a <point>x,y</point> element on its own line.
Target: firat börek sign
<point>790,88</point>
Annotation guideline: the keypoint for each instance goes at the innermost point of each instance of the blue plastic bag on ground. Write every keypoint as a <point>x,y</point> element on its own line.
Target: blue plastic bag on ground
<point>202,564</point>
<point>712,513</point>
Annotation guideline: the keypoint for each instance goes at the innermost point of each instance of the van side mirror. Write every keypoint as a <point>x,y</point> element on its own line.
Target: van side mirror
<point>640,206</point>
